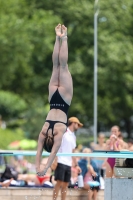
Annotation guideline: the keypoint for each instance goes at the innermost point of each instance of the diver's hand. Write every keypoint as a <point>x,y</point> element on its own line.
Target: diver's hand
<point>41,171</point>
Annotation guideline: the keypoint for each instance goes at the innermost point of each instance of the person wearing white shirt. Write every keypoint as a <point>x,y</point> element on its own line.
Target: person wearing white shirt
<point>63,170</point>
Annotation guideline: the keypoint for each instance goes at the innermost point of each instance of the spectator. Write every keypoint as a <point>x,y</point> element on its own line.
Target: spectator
<point>9,173</point>
<point>35,180</point>
<point>90,175</point>
<point>6,183</point>
<point>74,178</point>
<point>44,179</point>
<point>63,170</point>
<point>100,146</point>
<point>112,144</point>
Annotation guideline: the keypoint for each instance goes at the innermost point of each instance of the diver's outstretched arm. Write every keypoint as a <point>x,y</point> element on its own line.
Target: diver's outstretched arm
<point>56,146</point>
<point>41,140</point>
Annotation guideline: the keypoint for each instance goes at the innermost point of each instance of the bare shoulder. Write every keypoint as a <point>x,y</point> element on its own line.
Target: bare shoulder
<point>131,148</point>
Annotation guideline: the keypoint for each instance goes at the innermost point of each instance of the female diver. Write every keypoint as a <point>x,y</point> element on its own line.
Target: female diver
<point>60,96</point>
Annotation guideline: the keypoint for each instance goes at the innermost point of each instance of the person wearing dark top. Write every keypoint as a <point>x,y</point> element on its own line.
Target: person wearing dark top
<point>60,96</point>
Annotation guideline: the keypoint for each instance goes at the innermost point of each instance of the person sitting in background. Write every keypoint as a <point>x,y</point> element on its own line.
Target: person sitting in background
<point>74,178</point>
<point>9,173</point>
<point>46,179</point>
<point>6,183</point>
<point>35,180</point>
<point>90,175</point>
<point>101,145</point>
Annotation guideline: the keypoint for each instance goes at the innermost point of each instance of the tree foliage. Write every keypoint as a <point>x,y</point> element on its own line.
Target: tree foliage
<point>7,136</point>
<point>27,39</point>
<point>11,105</point>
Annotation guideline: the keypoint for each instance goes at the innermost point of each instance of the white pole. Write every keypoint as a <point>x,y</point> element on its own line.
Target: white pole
<point>95,70</point>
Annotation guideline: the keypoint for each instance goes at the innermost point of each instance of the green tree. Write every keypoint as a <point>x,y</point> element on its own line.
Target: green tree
<point>27,39</point>
<point>115,64</point>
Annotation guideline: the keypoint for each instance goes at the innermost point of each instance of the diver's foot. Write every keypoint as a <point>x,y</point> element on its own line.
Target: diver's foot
<point>63,32</point>
<point>58,30</point>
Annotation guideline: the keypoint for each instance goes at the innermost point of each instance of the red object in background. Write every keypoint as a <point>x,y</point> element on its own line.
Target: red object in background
<point>14,144</point>
<point>43,179</point>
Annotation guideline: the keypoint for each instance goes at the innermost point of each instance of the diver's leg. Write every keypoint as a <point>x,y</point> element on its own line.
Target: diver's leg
<point>63,56</point>
<point>54,81</point>
<point>55,56</point>
<point>65,79</point>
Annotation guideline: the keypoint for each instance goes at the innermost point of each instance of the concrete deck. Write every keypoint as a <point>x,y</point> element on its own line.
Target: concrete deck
<point>14,193</point>
<point>118,189</point>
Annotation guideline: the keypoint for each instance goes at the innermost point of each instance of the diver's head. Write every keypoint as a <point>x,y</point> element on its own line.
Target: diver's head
<point>48,143</point>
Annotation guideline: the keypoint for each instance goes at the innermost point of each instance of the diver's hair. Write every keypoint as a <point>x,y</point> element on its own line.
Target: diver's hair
<point>48,143</point>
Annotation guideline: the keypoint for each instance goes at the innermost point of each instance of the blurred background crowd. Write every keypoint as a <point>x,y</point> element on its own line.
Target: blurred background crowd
<point>21,169</point>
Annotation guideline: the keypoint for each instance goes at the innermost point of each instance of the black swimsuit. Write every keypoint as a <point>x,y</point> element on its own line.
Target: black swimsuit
<point>57,102</point>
